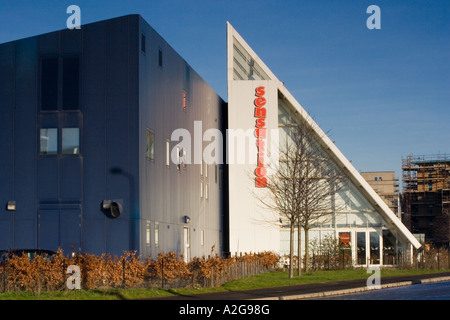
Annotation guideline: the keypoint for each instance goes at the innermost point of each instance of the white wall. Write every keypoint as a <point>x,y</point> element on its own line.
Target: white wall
<point>252,227</point>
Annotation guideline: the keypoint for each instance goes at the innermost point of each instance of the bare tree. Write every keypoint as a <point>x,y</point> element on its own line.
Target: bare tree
<point>284,186</point>
<point>302,185</point>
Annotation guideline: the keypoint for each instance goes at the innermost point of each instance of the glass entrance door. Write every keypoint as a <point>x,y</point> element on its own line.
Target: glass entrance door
<point>368,248</point>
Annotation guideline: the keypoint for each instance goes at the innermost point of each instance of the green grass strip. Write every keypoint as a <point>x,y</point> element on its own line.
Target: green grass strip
<point>266,280</point>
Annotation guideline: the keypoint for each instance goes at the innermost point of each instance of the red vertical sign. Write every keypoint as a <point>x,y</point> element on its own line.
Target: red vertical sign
<point>260,133</point>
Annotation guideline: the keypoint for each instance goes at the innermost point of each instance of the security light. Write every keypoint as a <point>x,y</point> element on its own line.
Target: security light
<point>11,206</point>
<point>116,209</point>
<point>112,207</point>
<point>187,219</point>
<point>106,204</point>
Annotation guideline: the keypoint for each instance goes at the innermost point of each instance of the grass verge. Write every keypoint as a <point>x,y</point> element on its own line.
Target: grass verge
<point>272,279</point>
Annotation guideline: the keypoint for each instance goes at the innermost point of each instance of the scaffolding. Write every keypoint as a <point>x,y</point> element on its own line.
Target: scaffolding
<point>426,196</point>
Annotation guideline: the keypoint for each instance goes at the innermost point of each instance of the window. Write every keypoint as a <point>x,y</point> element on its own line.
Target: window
<point>389,247</point>
<point>168,153</point>
<point>70,141</point>
<point>71,84</point>
<point>374,248</point>
<point>147,234</point>
<point>202,237</point>
<point>184,100</point>
<point>143,43</point>
<point>49,141</point>
<point>60,83</point>
<point>156,233</point>
<point>150,146</point>
<point>187,244</point>
<point>201,189</point>
<point>361,247</point>
<point>49,84</point>
<point>160,58</point>
<point>206,191</point>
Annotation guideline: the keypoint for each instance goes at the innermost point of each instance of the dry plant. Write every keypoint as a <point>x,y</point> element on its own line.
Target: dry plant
<point>107,271</point>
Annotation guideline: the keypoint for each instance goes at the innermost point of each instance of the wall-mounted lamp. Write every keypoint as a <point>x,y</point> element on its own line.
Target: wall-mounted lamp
<point>112,207</point>
<point>187,219</point>
<point>11,206</point>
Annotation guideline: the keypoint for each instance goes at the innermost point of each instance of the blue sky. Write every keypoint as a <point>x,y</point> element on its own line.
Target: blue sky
<point>381,94</point>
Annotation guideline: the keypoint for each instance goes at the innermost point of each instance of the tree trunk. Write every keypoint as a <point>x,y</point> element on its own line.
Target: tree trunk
<point>299,249</point>
<point>306,250</point>
<point>291,251</point>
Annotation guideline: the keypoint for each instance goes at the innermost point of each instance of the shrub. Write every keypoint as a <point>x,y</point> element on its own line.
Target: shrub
<point>128,270</point>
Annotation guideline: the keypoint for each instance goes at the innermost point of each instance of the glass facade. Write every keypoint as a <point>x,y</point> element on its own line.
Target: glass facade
<point>244,66</point>
<point>352,214</point>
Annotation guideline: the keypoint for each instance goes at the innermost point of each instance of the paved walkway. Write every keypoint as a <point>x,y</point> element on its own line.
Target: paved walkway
<point>313,290</point>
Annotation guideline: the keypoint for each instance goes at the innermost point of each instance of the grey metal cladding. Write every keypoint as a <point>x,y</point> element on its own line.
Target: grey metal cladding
<point>123,93</point>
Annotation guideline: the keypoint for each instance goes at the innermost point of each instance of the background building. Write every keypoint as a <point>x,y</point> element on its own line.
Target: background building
<point>386,186</point>
<point>426,196</point>
<point>86,140</point>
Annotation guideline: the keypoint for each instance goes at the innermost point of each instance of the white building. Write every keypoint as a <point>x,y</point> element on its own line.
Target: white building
<point>377,236</point>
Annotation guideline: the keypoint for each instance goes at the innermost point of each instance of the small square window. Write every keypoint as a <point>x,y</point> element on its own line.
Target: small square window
<point>49,141</point>
<point>70,140</point>
<point>150,146</point>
